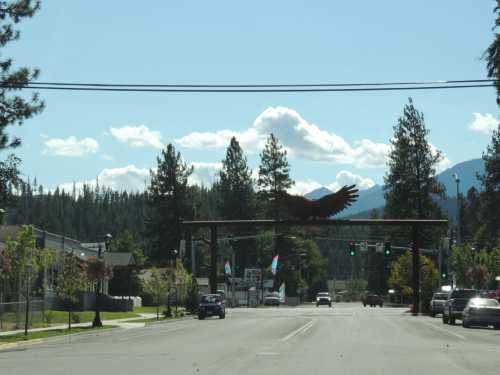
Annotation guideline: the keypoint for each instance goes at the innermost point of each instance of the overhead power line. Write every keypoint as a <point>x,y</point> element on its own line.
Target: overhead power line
<point>258,88</point>
<point>439,82</point>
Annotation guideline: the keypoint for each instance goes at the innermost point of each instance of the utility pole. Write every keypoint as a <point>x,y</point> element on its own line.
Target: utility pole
<point>213,259</point>
<point>26,320</point>
<point>416,269</point>
<point>233,278</point>
<point>459,232</point>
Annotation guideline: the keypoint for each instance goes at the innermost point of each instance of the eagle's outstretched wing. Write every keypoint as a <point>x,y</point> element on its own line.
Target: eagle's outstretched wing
<point>332,204</point>
<point>329,205</point>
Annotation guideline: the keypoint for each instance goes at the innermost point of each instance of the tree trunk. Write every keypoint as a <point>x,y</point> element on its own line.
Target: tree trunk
<point>69,318</point>
<point>158,308</point>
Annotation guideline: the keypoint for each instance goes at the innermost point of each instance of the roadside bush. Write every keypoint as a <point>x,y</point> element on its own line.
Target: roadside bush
<point>49,317</point>
<point>75,318</point>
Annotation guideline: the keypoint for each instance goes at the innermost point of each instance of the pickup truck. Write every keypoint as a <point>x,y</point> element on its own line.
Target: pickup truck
<point>455,304</point>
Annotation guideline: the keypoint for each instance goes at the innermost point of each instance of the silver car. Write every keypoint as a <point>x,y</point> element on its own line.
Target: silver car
<point>481,312</point>
<point>437,303</point>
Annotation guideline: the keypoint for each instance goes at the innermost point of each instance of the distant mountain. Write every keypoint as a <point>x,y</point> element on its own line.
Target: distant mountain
<point>318,193</point>
<point>374,197</point>
<point>467,173</point>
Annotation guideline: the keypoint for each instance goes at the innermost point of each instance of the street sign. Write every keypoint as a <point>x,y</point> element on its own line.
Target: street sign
<point>379,247</point>
<point>363,246</point>
<point>252,276</point>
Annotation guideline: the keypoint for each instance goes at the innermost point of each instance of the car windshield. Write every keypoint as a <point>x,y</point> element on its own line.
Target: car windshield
<point>323,294</point>
<point>464,293</point>
<point>440,296</point>
<point>211,299</point>
<point>484,302</point>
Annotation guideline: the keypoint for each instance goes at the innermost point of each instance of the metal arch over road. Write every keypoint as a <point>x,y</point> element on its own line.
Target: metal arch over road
<point>416,224</point>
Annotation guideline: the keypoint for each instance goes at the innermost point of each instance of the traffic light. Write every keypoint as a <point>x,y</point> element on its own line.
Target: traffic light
<point>444,275</point>
<point>387,248</point>
<point>352,249</point>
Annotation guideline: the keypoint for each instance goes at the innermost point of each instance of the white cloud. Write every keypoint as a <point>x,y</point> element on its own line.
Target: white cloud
<point>128,178</point>
<point>70,146</point>
<point>137,136</point>
<point>444,163</point>
<point>132,178</point>
<point>484,123</point>
<point>300,138</point>
<point>204,174</point>
<point>341,179</point>
<point>106,157</point>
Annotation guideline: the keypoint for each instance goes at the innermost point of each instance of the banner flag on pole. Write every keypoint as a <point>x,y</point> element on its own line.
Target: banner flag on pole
<point>227,268</point>
<point>274,264</point>
<point>281,293</point>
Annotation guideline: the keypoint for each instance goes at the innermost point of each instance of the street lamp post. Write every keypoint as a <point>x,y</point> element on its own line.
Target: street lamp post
<point>459,234</point>
<point>26,318</point>
<point>97,317</point>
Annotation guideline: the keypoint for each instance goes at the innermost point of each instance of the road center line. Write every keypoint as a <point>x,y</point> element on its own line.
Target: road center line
<point>298,331</point>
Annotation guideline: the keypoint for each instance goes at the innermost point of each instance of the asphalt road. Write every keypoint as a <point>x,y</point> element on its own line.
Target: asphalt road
<point>346,339</point>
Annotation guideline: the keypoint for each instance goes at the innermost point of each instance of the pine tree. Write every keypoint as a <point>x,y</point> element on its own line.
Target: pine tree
<point>411,181</point>
<point>168,204</point>
<point>236,196</point>
<point>492,54</point>
<point>235,184</point>
<point>489,233</point>
<point>274,174</point>
<point>15,109</point>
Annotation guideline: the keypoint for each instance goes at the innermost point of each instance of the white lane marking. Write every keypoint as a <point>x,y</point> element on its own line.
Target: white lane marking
<point>267,353</point>
<point>440,329</point>
<point>298,331</point>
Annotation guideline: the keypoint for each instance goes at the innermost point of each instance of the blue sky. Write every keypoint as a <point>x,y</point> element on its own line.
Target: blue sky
<point>333,138</point>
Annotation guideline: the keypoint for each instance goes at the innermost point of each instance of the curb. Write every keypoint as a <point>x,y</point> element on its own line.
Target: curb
<point>52,338</point>
<point>11,345</point>
<point>188,317</point>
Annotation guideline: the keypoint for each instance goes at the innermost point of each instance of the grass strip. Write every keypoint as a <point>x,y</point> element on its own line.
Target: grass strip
<point>20,337</point>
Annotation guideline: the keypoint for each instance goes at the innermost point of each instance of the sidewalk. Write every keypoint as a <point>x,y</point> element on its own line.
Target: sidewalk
<point>116,322</point>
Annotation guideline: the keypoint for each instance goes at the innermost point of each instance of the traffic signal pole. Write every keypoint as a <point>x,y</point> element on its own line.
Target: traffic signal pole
<point>416,269</point>
<point>213,259</point>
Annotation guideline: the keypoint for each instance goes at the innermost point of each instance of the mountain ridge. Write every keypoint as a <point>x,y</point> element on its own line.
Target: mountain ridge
<point>373,198</point>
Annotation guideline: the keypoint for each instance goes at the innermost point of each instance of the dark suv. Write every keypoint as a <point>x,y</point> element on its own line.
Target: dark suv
<point>211,305</point>
<point>455,304</point>
<point>372,300</point>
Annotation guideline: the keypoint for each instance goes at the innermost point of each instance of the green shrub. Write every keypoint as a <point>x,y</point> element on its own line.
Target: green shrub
<point>75,318</point>
<point>49,317</point>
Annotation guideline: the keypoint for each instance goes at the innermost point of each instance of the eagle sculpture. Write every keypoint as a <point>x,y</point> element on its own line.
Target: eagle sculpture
<point>302,208</point>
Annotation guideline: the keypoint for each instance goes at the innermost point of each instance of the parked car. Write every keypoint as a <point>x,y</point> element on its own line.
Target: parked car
<point>437,303</point>
<point>323,298</point>
<point>272,299</point>
<point>211,305</point>
<point>455,304</point>
<point>481,312</point>
<point>372,300</point>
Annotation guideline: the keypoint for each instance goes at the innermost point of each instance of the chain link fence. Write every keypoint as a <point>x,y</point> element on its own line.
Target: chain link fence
<point>13,315</point>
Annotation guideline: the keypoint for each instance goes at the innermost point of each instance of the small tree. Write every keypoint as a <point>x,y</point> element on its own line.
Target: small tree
<point>355,288</point>
<point>70,281</point>
<point>402,275</point>
<point>157,285</point>
<point>192,299</point>
<point>181,280</point>
<point>274,174</point>
<point>473,267</point>
<point>478,276</point>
